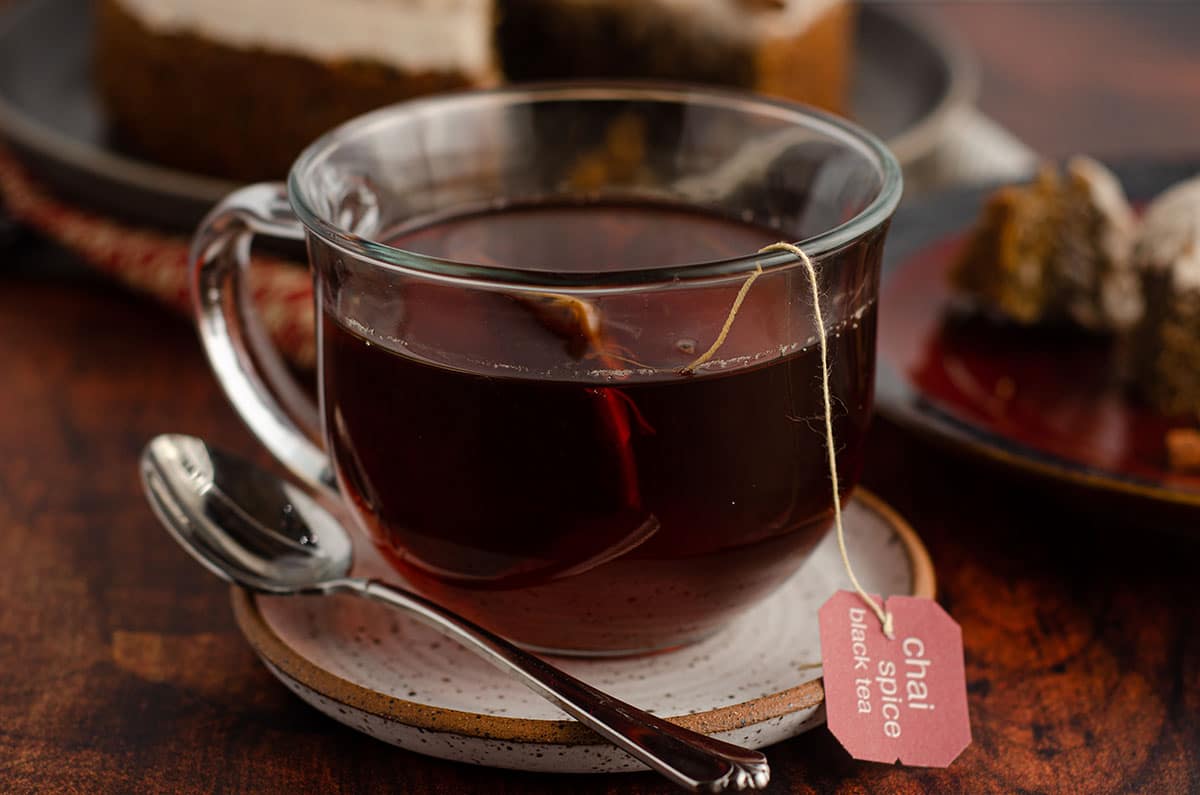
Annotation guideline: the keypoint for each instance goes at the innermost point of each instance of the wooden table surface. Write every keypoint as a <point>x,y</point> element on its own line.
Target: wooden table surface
<point>121,669</point>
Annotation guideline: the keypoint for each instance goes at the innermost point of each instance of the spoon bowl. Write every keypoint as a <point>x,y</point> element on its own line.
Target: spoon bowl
<point>242,523</point>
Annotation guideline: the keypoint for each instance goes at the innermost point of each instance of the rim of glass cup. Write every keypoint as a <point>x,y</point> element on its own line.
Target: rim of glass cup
<point>845,132</point>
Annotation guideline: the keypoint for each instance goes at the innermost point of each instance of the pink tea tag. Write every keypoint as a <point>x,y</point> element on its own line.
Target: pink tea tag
<point>903,699</point>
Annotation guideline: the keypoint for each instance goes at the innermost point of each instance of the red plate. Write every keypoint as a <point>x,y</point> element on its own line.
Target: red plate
<point>1046,401</point>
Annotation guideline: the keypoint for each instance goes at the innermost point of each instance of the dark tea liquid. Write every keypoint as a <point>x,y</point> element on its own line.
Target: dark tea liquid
<point>590,499</point>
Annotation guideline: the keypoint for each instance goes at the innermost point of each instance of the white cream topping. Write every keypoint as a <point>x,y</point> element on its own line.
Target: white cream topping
<point>1170,236</point>
<point>432,35</point>
<point>1108,198</point>
<point>743,19</point>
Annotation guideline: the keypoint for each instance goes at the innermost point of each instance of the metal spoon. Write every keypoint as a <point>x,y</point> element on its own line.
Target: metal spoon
<point>251,528</point>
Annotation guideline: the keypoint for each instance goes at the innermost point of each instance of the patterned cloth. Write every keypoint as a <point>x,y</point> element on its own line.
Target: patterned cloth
<point>156,264</point>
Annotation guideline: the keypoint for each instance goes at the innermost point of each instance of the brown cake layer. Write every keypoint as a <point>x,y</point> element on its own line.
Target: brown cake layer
<point>1164,355</point>
<point>552,39</point>
<point>1005,263</point>
<point>244,114</point>
<point>204,106</point>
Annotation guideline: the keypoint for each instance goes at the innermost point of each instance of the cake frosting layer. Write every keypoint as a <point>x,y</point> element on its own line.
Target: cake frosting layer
<point>417,35</point>
<point>1170,238</point>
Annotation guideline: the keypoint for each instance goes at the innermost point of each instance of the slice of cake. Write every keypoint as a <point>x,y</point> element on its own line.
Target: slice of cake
<point>1005,263</point>
<point>796,49</point>
<point>237,89</point>
<point>1057,250</point>
<point>1164,349</point>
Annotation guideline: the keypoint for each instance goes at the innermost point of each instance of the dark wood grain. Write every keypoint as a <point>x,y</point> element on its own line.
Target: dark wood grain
<point>121,669</point>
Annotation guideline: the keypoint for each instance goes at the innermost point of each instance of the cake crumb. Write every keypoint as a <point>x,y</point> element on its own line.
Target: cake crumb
<point>1183,449</point>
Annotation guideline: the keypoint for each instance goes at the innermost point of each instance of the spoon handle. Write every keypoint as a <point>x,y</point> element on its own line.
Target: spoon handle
<point>690,759</point>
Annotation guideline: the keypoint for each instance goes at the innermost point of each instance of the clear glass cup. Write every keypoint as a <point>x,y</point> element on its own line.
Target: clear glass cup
<point>526,441</point>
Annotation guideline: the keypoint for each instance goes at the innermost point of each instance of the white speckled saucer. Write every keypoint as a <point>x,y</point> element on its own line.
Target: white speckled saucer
<point>755,683</point>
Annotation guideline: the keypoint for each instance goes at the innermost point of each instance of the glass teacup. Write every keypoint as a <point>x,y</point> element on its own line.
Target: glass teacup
<point>560,389</point>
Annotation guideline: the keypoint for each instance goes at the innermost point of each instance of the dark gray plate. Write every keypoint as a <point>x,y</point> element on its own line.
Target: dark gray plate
<point>909,78</point>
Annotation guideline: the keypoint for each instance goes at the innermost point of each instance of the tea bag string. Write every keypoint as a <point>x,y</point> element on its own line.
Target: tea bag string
<point>885,616</point>
<point>733,311</point>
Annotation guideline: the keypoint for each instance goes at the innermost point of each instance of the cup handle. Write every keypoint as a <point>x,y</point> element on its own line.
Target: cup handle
<point>247,364</point>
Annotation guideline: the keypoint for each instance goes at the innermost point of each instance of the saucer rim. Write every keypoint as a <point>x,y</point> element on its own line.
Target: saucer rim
<point>287,661</point>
